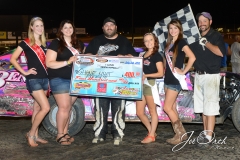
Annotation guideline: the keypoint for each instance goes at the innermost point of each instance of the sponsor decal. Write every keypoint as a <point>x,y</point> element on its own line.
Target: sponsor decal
<point>101,60</point>
<point>130,62</point>
<point>10,77</point>
<point>102,87</point>
<point>85,61</point>
<point>82,85</point>
<point>124,91</point>
<point>114,60</point>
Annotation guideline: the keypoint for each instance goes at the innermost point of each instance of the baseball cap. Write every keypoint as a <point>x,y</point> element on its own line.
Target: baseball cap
<point>109,19</point>
<point>205,14</point>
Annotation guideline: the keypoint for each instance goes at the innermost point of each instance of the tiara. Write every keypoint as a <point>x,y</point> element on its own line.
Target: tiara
<point>36,18</point>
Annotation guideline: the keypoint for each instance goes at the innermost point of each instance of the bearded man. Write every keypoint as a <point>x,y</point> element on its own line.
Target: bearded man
<point>208,51</point>
<point>111,44</point>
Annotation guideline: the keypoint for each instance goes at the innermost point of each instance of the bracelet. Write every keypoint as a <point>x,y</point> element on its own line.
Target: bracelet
<point>65,63</point>
<point>68,62</point>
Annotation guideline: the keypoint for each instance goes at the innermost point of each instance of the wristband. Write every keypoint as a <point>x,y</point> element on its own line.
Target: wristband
<point>65,63</point>
<point>68,62</point>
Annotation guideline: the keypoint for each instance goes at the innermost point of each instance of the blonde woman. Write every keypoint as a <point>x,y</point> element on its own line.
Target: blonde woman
<point>34,48</point>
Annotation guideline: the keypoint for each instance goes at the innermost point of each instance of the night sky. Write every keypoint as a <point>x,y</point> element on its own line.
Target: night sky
<point>90,14</point>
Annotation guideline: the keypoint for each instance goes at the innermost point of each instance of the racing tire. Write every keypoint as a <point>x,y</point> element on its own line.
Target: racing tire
<point>236,114</point>
<point>76,120</point>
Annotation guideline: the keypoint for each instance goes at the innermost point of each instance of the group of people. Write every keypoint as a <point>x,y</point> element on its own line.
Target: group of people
<point>205,55</point>
<point>50,68</point>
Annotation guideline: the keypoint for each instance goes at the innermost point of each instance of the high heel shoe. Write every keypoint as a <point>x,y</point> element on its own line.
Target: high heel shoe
<point>28,137</point>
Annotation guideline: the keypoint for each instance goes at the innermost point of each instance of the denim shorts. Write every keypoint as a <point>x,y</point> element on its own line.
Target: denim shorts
<point>37,84</point>
<point>59,85</point>
<point>177,88</point>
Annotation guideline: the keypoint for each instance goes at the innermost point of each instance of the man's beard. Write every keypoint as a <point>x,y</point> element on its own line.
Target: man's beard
<point>110,35</point>
<point>206,28</point>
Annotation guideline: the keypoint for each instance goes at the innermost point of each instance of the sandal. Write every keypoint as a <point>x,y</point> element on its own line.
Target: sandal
<point>28,137</point>
<point>70,138</point>
<point>63,141</point>
<point>40,140</point>
<point>148,139</point>
<point>155,134</point>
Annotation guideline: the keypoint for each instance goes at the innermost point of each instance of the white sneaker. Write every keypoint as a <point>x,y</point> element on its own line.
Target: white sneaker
<point>117,140</point>
<point>97,139</point>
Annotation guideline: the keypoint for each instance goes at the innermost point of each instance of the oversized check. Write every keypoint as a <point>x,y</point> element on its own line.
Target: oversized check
<point>107,76</point>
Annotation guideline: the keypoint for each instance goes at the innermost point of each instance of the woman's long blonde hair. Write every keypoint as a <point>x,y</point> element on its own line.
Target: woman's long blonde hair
<point>42,37</point>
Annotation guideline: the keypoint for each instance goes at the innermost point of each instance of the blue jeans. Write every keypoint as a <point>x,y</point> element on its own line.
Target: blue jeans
<point>37,84</point>
<point>173,87</point>
<point>60,85</point>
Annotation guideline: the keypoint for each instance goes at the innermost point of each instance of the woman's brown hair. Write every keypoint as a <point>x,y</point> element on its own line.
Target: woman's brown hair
<point>75,43</point>
<point>178,24</point>
<point>156,43</point>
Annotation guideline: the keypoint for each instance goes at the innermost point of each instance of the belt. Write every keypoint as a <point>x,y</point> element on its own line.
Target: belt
<point>201,72</point>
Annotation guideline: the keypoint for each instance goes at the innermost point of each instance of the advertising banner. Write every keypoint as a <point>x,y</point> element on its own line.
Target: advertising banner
<point>105,76</point>
<point>3,35</point>
<point>12,35</point>
<point>24,35</point>
<point>80,31</point>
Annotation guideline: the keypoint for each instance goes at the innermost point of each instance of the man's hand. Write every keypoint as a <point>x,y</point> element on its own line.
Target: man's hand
<point>203,41</point>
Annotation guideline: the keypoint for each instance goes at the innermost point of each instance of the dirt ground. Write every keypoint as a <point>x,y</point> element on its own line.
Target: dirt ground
<point>13,145</point>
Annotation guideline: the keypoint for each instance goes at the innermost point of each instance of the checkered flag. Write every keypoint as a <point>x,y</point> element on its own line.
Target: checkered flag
<point>190,29</point>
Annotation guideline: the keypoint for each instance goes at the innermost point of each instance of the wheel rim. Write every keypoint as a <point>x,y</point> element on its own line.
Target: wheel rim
<point>53,113</point>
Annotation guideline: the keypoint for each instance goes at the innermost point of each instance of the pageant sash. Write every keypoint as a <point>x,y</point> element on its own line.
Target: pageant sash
<point>155,92</point>
<point>39,52</point>
<point>41,56</point>
<point>154,88</point>
<point>180,78</point>
<point>73,50</point>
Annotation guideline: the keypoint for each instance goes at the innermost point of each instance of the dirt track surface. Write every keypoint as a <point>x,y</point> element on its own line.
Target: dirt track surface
<point>13,144</point>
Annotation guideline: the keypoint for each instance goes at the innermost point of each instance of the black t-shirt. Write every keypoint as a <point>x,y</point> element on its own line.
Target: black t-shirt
<point>206,60</point>
<point>33,61</point>
<point>103,46</point>
<point>66,71</point>
<point>169,77</point>
<point>149,64</point>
